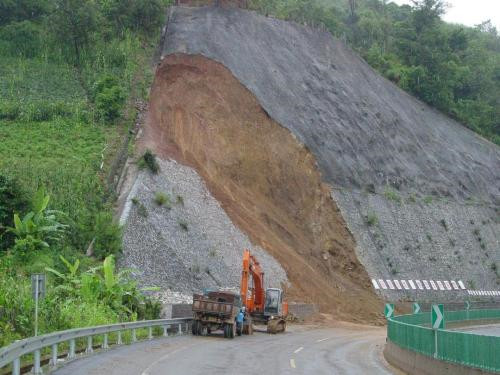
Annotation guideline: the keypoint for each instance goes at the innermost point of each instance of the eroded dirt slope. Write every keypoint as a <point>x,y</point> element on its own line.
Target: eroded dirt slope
<point>266,180</point>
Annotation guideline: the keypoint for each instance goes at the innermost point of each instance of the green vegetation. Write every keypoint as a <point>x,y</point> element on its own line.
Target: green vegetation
<point>371,219</point>
<point>184,225</point>
<point>454,68</point>
<point>148,160</point>
<point>162,199</point>
<point>392,195</point>
<point>444,224</point>
<point>71,72</point>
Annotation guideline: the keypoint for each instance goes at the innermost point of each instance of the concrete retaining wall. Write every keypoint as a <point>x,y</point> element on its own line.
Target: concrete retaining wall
<point>302,311</point>
<point>414,363</point>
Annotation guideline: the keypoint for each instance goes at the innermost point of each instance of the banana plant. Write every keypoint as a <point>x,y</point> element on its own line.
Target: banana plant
<point>39,226</point>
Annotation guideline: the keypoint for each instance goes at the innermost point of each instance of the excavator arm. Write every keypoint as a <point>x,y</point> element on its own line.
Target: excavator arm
<point>251,269</point>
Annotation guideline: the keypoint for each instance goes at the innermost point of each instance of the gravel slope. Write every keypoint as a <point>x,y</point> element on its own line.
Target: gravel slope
<point>191,245</point>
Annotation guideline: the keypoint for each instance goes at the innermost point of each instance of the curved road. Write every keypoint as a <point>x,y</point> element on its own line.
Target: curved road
<point>302,350</point>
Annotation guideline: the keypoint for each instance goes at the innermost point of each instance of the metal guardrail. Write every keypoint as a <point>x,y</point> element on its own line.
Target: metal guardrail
<point>413,332</point>
<point>12,354</point>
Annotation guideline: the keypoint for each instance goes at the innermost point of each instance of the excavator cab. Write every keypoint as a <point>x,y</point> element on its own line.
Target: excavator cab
<point>274,302</point>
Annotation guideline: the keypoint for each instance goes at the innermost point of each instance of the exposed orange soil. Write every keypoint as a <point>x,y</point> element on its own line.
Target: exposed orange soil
<point>267,182</point>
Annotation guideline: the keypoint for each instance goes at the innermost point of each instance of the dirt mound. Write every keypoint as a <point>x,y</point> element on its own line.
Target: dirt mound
<point>266,180</point>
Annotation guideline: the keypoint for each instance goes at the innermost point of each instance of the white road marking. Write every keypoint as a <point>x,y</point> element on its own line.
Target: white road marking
<point>299,349</point>
<point>292,363</point>
<point>321,340</point>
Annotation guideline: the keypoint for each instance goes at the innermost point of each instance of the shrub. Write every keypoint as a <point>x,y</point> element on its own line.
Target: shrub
<point>162,199</point>
<point>108,235</point>
<point>148,160</point>
<point>428,199</point>
<point>392,195</point>
<point>9,111</point>
<point>109,103</point>
<point>183,225</point>
<point>371,219</point>
<point>12,200</point>
<point>108,97</point>
<point>23,38</point>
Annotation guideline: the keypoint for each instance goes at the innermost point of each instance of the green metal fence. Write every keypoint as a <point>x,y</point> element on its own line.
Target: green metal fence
<point>413,332</point>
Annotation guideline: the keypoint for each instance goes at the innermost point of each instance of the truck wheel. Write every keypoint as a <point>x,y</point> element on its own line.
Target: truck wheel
<point>232,330</point>
<point>194,328</point>
<point>226,331</point>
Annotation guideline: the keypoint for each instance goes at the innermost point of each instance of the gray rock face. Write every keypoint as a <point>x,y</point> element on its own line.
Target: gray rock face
<point>188,243</point>
<point>382,151</point>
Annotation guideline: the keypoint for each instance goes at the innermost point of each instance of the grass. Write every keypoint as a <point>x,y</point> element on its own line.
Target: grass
<point>162,199</point>
<point>428,199</point>
<point>371,219</point>
<point>392,195</point>
<point>63,155</point>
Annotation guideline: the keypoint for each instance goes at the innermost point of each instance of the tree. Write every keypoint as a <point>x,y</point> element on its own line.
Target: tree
<point>426,13</point>
<point>21,10</point>
<point>74,21</point>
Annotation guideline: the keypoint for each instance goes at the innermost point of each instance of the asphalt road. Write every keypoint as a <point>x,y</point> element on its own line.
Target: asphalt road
<point>302,350</point>
<point>487,330</point>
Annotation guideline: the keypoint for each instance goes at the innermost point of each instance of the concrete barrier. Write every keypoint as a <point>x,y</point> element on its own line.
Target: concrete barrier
<point>414,363</point>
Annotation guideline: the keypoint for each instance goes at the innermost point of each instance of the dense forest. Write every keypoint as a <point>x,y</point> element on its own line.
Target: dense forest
<point>454,68</point>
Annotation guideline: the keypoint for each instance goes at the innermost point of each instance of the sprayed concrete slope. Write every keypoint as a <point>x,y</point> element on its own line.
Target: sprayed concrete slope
<point>419,191</point>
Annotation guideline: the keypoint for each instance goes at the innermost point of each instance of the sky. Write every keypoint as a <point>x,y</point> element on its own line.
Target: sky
<point>469,12</point>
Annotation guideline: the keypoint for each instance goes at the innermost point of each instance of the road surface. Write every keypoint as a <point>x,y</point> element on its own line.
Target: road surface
<point>303,350</point>
<point>487,330</point>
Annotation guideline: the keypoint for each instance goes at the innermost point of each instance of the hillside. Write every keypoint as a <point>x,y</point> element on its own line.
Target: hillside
<point>303,144</point>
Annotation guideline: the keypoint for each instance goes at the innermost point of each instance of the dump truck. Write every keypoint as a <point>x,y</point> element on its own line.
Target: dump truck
<point>216,310</point>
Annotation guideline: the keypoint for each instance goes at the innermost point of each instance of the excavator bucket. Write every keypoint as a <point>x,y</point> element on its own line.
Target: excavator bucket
<point>276,326</point>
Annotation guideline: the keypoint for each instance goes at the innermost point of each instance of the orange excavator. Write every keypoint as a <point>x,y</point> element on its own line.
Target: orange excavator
<point>264,306</point>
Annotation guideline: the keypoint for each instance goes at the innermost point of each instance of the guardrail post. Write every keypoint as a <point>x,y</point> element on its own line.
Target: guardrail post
<point>71,353</point>
<point>37,370</point>
<point>89,348</point>
<point>150,333</point>
<point>134,335</point>
<point>180,329</point>
<point>105,344</point>
<point>119,339</point>
<point>53,360</point>
<point>16,366</point>
<point>165,332</point>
